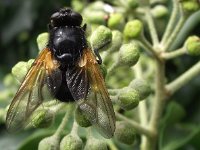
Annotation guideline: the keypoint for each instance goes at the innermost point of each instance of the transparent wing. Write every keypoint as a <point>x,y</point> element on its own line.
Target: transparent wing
<point>30,96</point>
<point>87,87</point>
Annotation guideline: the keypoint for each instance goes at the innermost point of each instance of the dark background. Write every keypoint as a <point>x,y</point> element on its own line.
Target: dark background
<point>20,23</point>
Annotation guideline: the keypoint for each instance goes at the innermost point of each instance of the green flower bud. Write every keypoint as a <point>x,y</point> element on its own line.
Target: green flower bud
<point>116,21</point>
<point>49,143</point>
<point>116,42</point>
<point>159,11</point>
<point>43,118</point>
<point>29,63</point>
<point>129,99</point>
<point>155,2</point>
<point>142,87</point>
<point>133,29</point>
<point>101,37</point>
<point>125,133</point>
<point>192,45</point>
<point>9,80</point>
<point>42,40</point>
<point>19,70</point>
<point>132,4</point>
<point>71,142</point>
<point>81,119</point>
<point>98,5</point>
<point>190,6</point>
<point>95,144</point>
<point>129,54</point>
<point>6,94</point>
<point>95,17</point>
<point>77,5</point>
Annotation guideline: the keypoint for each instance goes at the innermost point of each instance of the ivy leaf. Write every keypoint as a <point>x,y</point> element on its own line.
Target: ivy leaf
<point>31,143</point>
<point>174,113</point>
<point>11,141</point>
<point>176,138</point>
<point>175,135</point>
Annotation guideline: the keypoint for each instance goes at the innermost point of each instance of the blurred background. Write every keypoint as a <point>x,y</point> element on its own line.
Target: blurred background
<point>21,21</point>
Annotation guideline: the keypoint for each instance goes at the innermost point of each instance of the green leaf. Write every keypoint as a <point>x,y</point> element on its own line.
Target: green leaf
<point>173,134</point>
<point>10,141</point>
<point>195,141</point>
<point>177,137</point>
<point>174,113</point>
<point>31,143</point>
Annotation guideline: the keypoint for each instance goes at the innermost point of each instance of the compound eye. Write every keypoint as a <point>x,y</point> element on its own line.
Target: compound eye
<point>55,16</point>
<point>65,10</point>
<point>77,18</point>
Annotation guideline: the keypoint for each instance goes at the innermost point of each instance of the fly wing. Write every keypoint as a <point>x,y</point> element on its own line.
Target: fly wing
<point>88,88</point>
<point>30,96</point>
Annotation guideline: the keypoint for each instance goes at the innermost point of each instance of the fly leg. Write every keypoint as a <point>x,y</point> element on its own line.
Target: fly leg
<point>99,60</point>
<point>96,51</point>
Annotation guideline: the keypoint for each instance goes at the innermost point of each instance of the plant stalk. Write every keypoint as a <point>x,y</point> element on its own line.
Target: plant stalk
<point>152,28</point>
<point>173,54</point>
<point>138,128</point>
<point>158,103</point>
<point>175,32</point>
<point>62,125</point>
<point>74,130</point>
<point>183,79</point>
<point>142,108</point>
<point>148,47</point>
<point>172,20</point>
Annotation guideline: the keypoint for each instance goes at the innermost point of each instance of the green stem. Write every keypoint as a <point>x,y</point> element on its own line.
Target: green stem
<point>142,105</point>
<point>159,95</point>
<point>172,20</point>
<point>74,130</point>
<point>147,46</point>
<point>192,22</point>
<point>183,79</point>
<point>139,129</point>
<point>146,144</point>
<point>140,11</point>
<point>143,113</point>
<point>112,68</point>
<point>144,122</point>
<point>142,109</point>
<point>65,119</point>
<point>173,54</point>
<point>89,133</point>
<point>152,28</point>
<point>112,145</point>
<point>175,32</point>
<point>159,101</point>
<point>58,107</point>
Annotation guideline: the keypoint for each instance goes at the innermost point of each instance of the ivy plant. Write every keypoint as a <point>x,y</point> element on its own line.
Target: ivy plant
<point>136,40</point>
